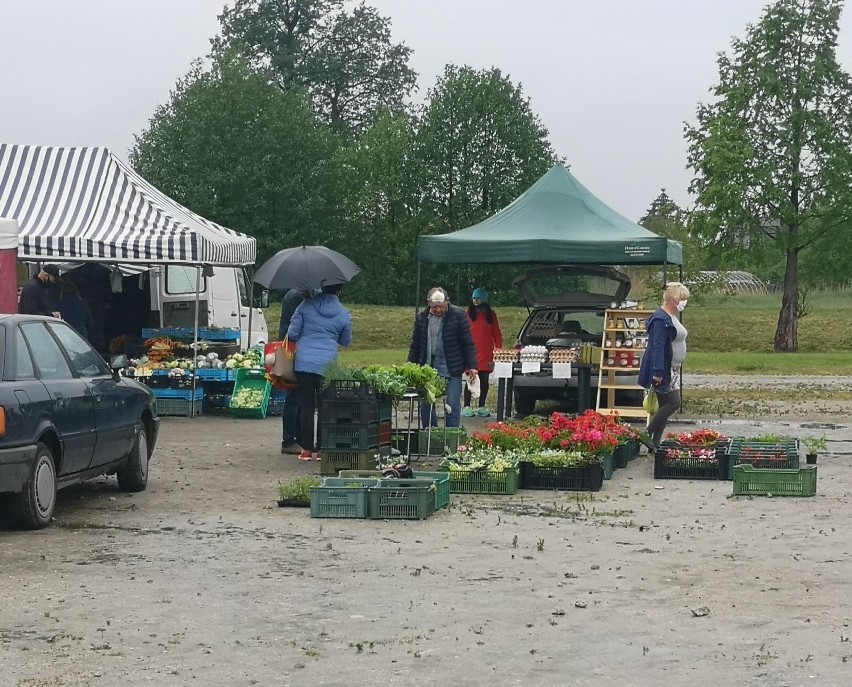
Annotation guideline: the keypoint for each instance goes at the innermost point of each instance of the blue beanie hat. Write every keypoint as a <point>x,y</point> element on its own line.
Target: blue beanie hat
<point>481,294</point>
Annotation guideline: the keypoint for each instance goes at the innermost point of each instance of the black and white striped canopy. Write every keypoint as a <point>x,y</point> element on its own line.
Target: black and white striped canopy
<point>84,204</point>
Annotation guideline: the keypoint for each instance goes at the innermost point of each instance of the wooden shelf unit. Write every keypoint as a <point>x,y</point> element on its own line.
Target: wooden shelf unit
<point>622,326</point>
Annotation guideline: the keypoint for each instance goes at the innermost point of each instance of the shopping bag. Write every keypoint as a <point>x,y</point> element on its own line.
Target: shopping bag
<point>472,385</point>
<point>650,403</point>
<point>279,359</point>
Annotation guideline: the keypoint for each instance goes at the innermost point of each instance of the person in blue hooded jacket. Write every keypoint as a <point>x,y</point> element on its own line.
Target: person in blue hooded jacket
<point>319,325</point>
<point>664,354</point>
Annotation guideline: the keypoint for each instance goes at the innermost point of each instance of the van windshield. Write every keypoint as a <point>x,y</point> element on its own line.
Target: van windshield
<point>181,279</point>
<point>242,281</point>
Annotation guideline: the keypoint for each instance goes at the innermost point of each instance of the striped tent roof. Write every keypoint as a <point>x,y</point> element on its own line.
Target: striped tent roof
<point>84,204</point>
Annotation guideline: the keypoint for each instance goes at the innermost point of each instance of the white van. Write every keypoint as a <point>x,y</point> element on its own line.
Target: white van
<point>223,300</point>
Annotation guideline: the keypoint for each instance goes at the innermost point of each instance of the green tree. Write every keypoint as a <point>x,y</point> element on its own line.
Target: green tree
<point>773,152</point>
<point>478,146</point>
<point>344,59</point>
<point>243,153</point>
<point>377,228</point>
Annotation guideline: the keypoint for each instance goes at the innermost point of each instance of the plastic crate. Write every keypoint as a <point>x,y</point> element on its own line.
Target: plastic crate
<point>760,461</point>
<point>687,466</point>
<point>359,411</point>
<point>216,402</point>
<point>608,465</point>
<point>185,394</point>
<point>632,448</point>
<point>332,462</point>
<point>215,374</point>
<point>441,440</point>
<point>441,480</point>
<point>345,497</point>
<point>277,398</point>
<point>586,478</point>
<point>251,379</point>
<point>402,499</point>
<point>348,390</point>
<point>180,407</point>
<point>621,455</point>
<point>400,441</point>
<point>385,433</point>
<point>204,333</point>
<point>484,482</point>
<point>749,481</point>
<point>349,437</point>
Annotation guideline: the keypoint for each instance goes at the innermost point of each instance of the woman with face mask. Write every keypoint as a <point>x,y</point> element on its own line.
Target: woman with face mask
<point>664,355</point>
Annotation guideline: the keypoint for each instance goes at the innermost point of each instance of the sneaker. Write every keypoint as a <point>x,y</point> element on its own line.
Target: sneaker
<point>483,412</point>
<point>319,456</point>
<point>467,411</point>
<point>306,455</point>
<point>291,449</point>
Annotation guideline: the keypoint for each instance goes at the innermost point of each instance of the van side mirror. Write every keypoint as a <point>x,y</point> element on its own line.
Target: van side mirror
<point>262,301</point>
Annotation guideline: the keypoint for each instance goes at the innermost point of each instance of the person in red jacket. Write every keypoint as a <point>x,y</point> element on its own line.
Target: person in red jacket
<point>485,330</point>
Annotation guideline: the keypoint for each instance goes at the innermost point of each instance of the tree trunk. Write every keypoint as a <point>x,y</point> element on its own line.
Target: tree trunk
<point>786,334</point>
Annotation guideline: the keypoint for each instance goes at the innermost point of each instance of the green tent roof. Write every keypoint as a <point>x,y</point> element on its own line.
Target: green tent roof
<point>557,220</point>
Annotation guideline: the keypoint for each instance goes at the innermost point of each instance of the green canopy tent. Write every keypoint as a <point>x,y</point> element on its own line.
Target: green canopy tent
<point>557,220</point>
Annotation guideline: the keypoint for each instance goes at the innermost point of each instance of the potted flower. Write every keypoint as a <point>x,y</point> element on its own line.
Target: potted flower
<point>814,446</point>
<point>297,493</point>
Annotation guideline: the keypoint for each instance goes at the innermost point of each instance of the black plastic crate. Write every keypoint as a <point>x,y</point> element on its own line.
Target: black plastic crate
<point>687,465</point>
<point>586,478</point>
<point>357,411</point>
<point>349,437</point>
<point>349,390</point>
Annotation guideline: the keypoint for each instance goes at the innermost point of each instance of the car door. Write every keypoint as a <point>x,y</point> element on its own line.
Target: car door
<point>113,422</point>
<point>72,402</point>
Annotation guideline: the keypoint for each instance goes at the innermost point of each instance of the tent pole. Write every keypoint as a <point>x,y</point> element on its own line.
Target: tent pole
<point>458,285</point>
<point>417,289</point>
<point>250,288</point>
<point>195,338</point>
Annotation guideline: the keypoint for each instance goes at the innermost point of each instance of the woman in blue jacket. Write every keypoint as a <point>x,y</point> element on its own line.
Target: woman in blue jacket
<point>665,353</point>
<point>319,325</point>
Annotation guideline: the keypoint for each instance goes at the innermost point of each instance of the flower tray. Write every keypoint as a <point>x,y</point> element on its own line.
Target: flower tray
<point>333,462</point>
<point>441,481</point>
<point>402,499</point>
<point>672,462</point>
<point>484,482</point>
<point>621,455</point>
<point>293,503</point>
<point>608,465</point>
<point>586,478</point>
<point>344,497</point>
<point>751,482</point>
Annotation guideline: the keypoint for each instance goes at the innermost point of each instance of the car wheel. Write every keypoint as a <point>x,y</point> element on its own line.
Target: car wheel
<point>524,403</point>
<point>134,475</point>
<point>33,507</point>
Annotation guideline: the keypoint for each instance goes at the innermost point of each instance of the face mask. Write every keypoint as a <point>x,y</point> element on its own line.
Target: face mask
<point>680,305</point>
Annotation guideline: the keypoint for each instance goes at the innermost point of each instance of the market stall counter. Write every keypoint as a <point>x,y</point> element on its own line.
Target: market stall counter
<point>581,373</point>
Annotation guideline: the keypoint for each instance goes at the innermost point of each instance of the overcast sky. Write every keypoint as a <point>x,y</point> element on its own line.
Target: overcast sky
<point>613,80</point>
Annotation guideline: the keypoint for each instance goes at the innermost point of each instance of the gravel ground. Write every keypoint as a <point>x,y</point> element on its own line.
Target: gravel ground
<point>202,579</point>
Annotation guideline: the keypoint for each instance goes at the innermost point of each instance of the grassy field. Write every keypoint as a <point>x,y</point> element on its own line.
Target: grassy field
<point>730,335</point>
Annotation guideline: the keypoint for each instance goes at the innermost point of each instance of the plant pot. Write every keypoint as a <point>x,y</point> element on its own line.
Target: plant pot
<point>811,458</point>
<point>292,503</point>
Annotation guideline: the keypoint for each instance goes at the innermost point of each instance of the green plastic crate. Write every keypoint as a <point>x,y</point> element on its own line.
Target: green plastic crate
<point>441,480</point>
<point>608,465</point>
<point>402,499</point>
<point>760,451</point>
<point>484,482</point>
<point>442,440</point>
<point>251,379</point>
<point>749,481</point>
<point>345,497</point>
<point>332,462</point>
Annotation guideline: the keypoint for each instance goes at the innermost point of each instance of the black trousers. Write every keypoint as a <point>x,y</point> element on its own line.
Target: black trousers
<point>669,403</point>
<point>307,393</point>
<point>483,390</point>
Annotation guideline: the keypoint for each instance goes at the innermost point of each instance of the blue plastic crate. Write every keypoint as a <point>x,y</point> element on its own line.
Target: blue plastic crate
<point>204,333</point>
<point>185,394</point>
<point>277,398</point>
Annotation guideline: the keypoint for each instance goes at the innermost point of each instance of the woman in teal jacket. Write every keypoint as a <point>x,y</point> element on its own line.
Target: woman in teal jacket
<point>319,325</point>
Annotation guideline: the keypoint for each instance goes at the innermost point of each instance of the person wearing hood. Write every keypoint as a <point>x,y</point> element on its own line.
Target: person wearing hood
<point>290,425</point>
<point>660,367</point>
<point>485,330</point>
<point>40,294</point>
<point>319,325</point>
<point>74,310</point>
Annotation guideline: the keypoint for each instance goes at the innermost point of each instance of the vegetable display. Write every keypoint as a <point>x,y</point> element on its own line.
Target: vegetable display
<point>247,397</point>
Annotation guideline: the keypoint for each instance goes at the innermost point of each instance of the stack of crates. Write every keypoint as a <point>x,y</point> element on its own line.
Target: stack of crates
<point>356,426</point>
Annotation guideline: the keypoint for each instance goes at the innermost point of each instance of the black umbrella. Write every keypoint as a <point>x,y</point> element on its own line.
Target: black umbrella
<point>306,268</point>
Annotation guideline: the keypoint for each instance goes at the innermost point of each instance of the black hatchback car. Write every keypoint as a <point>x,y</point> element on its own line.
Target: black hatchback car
<point>65,417</point>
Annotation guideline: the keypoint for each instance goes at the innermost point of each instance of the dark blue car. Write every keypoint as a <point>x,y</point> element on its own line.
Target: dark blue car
<point>65,417</point>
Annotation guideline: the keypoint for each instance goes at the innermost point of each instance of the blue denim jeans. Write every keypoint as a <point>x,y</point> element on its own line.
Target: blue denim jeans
<point>453,398</point>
